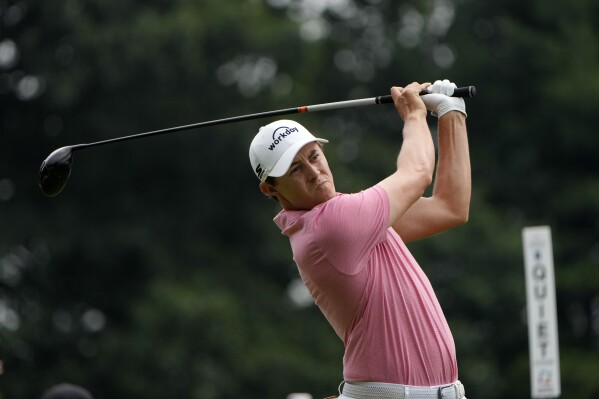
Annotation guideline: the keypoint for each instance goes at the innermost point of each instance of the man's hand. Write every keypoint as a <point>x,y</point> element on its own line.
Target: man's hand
<point>439,102</point>
<point>408,101</point>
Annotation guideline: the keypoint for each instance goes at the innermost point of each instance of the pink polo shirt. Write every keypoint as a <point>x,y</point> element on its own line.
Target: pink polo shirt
<point>371,290</point>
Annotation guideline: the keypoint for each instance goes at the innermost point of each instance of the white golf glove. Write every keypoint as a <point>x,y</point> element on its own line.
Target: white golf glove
<point>439,102</point>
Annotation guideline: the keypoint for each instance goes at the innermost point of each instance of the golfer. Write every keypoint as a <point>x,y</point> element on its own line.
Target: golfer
<point>350,248</point>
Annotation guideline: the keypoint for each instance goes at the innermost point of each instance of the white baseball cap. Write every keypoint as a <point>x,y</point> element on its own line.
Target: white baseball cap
<point>275,146</point>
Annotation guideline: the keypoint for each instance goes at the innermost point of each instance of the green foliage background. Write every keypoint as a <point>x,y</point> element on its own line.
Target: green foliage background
<point>157,273</point>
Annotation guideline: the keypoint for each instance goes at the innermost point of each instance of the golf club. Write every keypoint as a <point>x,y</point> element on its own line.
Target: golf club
<point>56,168</point>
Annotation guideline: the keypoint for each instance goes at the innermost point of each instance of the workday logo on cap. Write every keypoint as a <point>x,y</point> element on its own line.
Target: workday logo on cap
<point>275,146</point>
<point>279,134</point>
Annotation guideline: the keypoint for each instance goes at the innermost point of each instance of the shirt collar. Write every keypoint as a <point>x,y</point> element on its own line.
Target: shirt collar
<point>285,219</point>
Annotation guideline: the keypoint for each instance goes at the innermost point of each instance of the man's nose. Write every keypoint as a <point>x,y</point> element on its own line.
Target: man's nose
<point>312,171</point>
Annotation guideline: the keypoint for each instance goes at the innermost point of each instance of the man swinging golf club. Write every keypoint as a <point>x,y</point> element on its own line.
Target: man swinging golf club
<point>350,251</point>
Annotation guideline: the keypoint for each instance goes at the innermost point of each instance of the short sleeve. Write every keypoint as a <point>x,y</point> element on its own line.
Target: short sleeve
<point>350,226</point>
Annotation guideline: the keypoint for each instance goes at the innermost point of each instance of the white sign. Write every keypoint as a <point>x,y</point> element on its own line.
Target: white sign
<point>542,315</point>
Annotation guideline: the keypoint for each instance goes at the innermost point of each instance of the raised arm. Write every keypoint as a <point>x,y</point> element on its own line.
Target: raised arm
<point>450,201</point>
<point>416,159</point>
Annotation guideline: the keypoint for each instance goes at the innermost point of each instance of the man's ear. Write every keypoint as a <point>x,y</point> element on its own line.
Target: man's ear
<point>268,189</point>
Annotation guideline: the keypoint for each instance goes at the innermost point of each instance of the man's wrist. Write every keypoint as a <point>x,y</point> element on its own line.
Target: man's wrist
<point>447,107</point>
<point>416,116</point>
<point>454,113</point>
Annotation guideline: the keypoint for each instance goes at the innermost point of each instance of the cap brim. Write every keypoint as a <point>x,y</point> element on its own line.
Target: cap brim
<point>283,164</point>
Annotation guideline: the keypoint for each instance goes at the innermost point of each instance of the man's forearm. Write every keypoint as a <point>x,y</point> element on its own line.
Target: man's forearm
<point>417,151</point>
<point>453,181</point>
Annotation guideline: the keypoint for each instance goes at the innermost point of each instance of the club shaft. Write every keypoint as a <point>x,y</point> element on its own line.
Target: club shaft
<point>468,91</point>
<point>215,122</point>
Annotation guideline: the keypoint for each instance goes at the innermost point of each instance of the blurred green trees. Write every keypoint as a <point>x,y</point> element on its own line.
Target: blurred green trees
<point>158,273</point>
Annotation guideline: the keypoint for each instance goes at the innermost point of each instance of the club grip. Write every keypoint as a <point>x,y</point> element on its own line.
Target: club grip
<point>466,91</point>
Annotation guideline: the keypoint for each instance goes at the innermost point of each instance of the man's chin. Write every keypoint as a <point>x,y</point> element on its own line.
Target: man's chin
<point>326,192</point>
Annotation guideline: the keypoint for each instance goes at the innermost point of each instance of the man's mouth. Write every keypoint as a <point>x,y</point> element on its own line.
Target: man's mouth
<point>320,185</point>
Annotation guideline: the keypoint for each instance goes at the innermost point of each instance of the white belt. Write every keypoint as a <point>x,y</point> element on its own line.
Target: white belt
<point>375,390</point>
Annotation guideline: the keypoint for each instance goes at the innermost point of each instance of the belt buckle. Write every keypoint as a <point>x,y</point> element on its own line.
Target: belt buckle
<point>458,393</point>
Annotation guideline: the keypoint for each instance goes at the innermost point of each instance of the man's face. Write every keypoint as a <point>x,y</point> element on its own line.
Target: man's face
<point>307,183</point>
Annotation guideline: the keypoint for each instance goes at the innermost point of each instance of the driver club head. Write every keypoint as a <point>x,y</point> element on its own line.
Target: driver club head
<point>55,171</point>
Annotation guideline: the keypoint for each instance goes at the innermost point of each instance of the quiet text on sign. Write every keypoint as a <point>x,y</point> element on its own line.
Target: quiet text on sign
<point>542,314</point>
